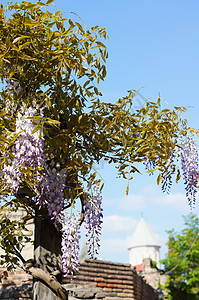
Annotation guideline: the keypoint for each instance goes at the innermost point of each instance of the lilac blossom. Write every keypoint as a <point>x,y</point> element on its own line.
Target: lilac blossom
<point>189,161</point>
<point>93,221</point>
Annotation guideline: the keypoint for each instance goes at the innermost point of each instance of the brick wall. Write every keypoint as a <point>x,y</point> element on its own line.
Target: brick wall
<point>116,280</point>
<point>95,280</point>
<point>103,280</point>
<point>18,285</point>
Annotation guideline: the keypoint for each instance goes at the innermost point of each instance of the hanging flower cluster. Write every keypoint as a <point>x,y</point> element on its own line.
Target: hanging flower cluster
<point>167,174</point>
<point>70,243</point>
<point>13,86</point>
<point>28,152</point>
<point>190,167</point>
<point>93,221</point>
<point>149,164</point>
<point>51,191</point>
<point>189,161</point>
<point>49,182</point>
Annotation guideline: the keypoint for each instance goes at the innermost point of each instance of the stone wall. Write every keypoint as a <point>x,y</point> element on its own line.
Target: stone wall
<point>152,275</point>
<point>116,281</point>
<point>96,280</point>
<point>18,284</point>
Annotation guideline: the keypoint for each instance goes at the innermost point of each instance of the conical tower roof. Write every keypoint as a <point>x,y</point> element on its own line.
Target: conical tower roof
<point>143,236</point>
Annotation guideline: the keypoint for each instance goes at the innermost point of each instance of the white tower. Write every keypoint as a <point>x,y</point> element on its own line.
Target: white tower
<point>143,244</point>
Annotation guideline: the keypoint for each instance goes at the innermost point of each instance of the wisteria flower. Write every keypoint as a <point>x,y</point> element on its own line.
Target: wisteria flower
<point>49,181</point>
<point>93,221</point>
<point>28,152</point>
<point>70,243</point>
<point>189,161</point>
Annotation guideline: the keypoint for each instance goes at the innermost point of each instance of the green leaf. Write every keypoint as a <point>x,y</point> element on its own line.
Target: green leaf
<point>52,122</point>
<point>100,44</point>
<point>124,140</point>
<point>127,189</point>
<point>79,26</point>
<point>24,45</point>
<point>19,38</point>
<point>101,188</point>
<point>27,57</point>
<point>159,179</point>
<point>49,2</point>
<point>178,175</point>
<point>108,126</point>
<point>96,90</point>
<point>152,170</point>
<point>3,113</point>
<point>37,128</point>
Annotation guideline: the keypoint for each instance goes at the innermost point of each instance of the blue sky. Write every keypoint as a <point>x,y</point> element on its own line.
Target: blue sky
<point>152,45</point>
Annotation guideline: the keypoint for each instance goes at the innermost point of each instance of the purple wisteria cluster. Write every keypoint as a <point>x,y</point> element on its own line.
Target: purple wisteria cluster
<point>28,163</point>
<point>149,164</point>
<point>70,243</point>
<point>93,221</point>
<point>189,161</point>
<point>169,171</point>
<point>13,86</point>
<point>28,152</point>
<point>92,211</point>
<point>51,191</point>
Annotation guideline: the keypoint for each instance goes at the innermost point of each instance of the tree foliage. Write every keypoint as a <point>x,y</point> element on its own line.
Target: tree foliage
<point>181,262</point>
<point>51,107</point>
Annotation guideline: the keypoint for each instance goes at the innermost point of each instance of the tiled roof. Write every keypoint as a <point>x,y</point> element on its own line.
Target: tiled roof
<point>96,280</point>
<point>139,268</point>
<point>115,280</point>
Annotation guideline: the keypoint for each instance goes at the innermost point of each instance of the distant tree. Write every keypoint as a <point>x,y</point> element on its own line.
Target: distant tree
<point>54,127</point>
<point>182,261</point>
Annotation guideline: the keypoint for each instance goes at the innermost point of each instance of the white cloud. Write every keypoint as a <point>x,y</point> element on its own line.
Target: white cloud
<point>114,245</point>
<point>153,195</point>
<point>173,200</point>
<point>169,199</point>
<point>162,212</point>
<point>129,241</point>
<point>119,224</point>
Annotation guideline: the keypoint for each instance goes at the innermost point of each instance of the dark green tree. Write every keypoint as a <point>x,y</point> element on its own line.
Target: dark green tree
<point>182,261</point>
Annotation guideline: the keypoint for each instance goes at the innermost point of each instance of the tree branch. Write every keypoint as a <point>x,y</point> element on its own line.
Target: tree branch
<point>48,279</point>
<point>17,253</point>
